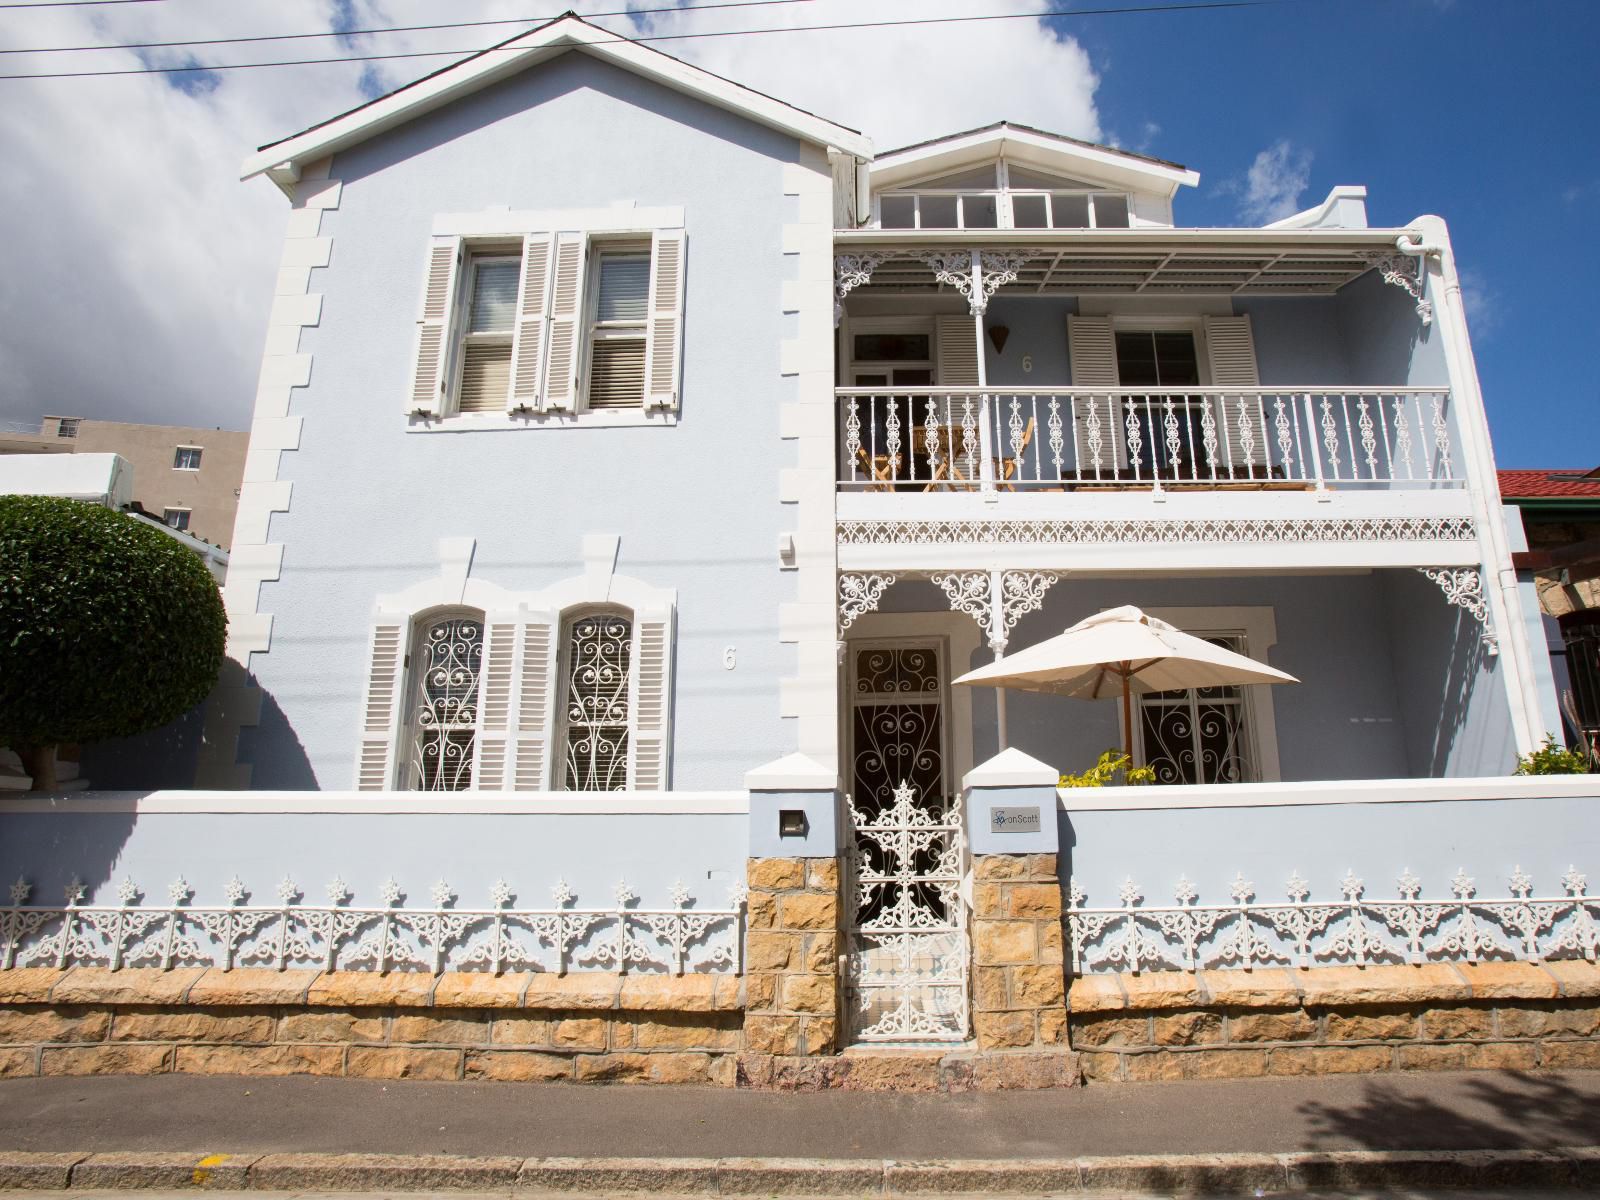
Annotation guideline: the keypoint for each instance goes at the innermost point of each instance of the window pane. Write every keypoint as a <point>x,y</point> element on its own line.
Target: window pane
<point>624,282</point>
<point>494,297</point>
<point>979,212</point>
<point>1024,177</point>
<point>1068,211</point>
<point>187,458</point>
<point>1136,359</point>
<point>599,649</point>
<point>177,518</point>
<point>68,428</point>
<point>938,212</point>
<point>981,178</point>
<point>1027,212</point>
<point>616,373</point>
<point>898,212</point>
<point>485,376</point>
<point>893,347</point>
<point>444,716</point>
<point>1110,211</point>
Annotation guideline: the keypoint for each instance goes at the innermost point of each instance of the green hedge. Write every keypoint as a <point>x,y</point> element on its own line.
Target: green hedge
<point>108,627</point>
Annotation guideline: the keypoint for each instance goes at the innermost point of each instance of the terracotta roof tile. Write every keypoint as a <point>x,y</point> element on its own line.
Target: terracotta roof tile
<point>1551,483</point>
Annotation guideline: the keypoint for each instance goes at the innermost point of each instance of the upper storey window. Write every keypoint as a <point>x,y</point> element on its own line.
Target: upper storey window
<point>1002,195</point>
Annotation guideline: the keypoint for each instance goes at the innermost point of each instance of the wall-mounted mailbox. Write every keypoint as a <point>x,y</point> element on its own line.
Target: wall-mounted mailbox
<point>793,809</point>
<point>792,823</point>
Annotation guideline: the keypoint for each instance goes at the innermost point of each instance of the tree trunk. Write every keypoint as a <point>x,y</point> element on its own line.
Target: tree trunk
<point>40,762</point>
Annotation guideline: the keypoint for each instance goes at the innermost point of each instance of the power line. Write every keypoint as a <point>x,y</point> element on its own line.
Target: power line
<point>343,33</point>
<point>73,3</point>
<point>669,37</point>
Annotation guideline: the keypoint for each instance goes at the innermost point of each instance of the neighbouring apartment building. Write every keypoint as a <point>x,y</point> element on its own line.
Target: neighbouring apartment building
<point>638,460</point>
<point>187,477</point>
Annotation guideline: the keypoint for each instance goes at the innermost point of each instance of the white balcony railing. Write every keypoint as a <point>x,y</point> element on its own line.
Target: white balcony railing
<point>1053,439</point>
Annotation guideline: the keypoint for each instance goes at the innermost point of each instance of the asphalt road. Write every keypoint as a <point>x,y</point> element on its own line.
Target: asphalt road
<point>1436,1111</point>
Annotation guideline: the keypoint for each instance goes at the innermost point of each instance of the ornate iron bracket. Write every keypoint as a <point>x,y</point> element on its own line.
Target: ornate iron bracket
<point>996,600</point>
<point>851,271</point>
<point>971,592</point>
<point>1022,592</point>
<point>860,594</point>
<point>1403,271</point>
<point>1463,587</point>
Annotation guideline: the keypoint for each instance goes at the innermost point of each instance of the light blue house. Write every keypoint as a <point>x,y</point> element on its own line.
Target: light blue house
<point>637,460</point>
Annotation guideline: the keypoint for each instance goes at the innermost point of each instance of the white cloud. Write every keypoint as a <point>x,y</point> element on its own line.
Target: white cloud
<point>138,270</point>
<point>1482,301</point>
<point>1271,189</point>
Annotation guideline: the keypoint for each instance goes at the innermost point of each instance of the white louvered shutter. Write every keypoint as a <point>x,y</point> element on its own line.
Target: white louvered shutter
<point>381,708</point>
<point>496,701</point>
<point>650,701</point>
<point>535,715</point>
<point>429,379</point>
<point>664,341</point>
<point>527,355</point>
<point>958,351</point>
<point>1092,349</point>
<point>561,387</point>
<point>1231,352</point>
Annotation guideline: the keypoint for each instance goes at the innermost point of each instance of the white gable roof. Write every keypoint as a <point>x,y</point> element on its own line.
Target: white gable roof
<point>283,159</point>
<point>1052,152</point>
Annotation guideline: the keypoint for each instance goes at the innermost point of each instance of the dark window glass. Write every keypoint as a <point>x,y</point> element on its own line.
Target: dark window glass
<point>893,347</point>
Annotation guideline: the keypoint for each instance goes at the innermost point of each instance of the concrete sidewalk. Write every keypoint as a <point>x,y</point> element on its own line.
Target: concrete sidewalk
<point>699,1140</point>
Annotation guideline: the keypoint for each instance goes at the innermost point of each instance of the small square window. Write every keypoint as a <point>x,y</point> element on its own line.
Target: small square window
<point>67,427</point>
<point>176,518</point>
<point>187,458</point>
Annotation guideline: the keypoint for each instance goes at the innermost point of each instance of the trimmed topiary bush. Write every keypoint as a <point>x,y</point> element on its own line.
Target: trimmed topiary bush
<point>108,628</point>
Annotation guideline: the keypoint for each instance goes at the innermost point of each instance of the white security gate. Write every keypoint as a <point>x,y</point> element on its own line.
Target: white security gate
<point>908,960</point>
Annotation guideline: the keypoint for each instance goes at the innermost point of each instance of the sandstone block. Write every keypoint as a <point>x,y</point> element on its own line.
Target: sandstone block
<point>989,992</point>
<point>1334,987</point>
<point>808,911</point>
<point>278,1059</point>
<point>822,954</point>
<point>808,994</point>
<point>761,911</point>
<point>1101,1068</point>
<point>518,1066</point>
<point>28,985</point>
<point>724,1070</point>
<point>1561,1056</point>
<point>1546,1020</point>
<point>772,951</point>
<point>579,1033</point>
<point>1464,1056</point>
<point>386,1062</point>
<point>761,992</point>
<point>1038,987</point>
<point>1196,1064</point>
<point>772,1035</point>
<point>1162,989</point>
<point>1037,900</point>
<point>368,989</point>
<point>1455,1024</point>
<point>1294,1026</point>
<point>999,867</point>
<point>1025,1072</point>
<point>679,1068</point>
<point>681,993</point>
<point>1264,987</point>
<point>1004,1030</point>
<point>902,1071</point>
<point>130,985</point>
<point>1578,979</point>
<point>680,1031</point>
<point>614,1068</point>
<point>1359,1025</point>
<point>18,1061</point>
<point>1002,942</point>
<point>988,901</point>
<point>1188,1029</point>
<point>520,1031</point>
<point>331,1026</point>
<point>190,1026</point>
<point>1330,1060</point>
<point>1052,942</point>
<point>479,989</point>
<point>461,1030</point>
<point>105,1060</point>
<point>25,1026</point>
<point>1053,1027</point>
<point>817,1035</point>
<point>586,990</point>
<point>1509,981</point>
<point>1110,1031</point>
<point>775,874</point>
<point>251,987</point>
<point>1096,993</point>
<point>822,874</point>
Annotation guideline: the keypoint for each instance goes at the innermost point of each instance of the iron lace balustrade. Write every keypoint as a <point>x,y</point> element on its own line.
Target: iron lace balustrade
<point>937,439</point>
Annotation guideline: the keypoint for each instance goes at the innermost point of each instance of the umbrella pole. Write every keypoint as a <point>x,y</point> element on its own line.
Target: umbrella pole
<point>1127,719</point>
<point>1000,715</point>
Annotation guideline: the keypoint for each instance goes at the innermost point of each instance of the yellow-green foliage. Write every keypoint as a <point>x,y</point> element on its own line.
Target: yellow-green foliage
<point>1105,772</point>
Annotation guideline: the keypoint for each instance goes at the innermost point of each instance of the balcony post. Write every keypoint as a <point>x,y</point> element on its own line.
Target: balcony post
<point>986,415</point>
<point>1316,450</point>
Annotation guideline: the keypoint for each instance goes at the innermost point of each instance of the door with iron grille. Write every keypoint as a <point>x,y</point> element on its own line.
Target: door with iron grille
<point>907,966</point>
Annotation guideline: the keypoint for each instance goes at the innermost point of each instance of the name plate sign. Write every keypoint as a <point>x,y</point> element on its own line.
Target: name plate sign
<point>1022,819</point>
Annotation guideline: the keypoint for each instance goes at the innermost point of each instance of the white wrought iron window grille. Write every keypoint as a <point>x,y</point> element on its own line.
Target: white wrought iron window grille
<point>446,663</point>
<point>1198,735</point>
<point>488,322</point>
<point>617,331</point>
<point>596,704</point>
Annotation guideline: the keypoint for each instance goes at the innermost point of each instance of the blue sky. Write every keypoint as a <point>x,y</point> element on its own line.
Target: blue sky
<point>1485,112</point>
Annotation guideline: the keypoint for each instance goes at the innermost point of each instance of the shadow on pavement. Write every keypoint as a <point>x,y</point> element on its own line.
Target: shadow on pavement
<point>1504,1110</point>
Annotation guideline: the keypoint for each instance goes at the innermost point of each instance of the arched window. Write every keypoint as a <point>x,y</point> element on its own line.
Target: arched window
<point>597,680</point>
<point>442,705</point>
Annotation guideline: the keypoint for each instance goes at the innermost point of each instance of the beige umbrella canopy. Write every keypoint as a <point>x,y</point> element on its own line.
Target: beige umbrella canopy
<point>1122,648</point>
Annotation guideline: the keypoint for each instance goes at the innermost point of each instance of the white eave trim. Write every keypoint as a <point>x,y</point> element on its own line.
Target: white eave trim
<point>890,169</point>
<point>537,46</point>
<point>1152,236</point>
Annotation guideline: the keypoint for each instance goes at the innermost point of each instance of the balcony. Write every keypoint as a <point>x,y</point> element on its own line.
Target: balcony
<point>1194,439</point>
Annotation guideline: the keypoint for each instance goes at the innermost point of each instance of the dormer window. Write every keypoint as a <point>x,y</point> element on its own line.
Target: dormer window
<point>1002,195</point>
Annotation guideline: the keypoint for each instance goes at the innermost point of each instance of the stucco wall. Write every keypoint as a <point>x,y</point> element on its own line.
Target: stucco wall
<point>696,506</point>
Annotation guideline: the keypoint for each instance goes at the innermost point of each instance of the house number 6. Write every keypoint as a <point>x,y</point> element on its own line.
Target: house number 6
<point>730,658</point>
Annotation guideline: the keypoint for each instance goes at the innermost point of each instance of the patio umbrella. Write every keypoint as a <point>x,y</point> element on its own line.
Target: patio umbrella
<point>1123,645</point>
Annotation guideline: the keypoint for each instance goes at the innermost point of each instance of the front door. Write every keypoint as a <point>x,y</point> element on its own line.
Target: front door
<point>908,952</point>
